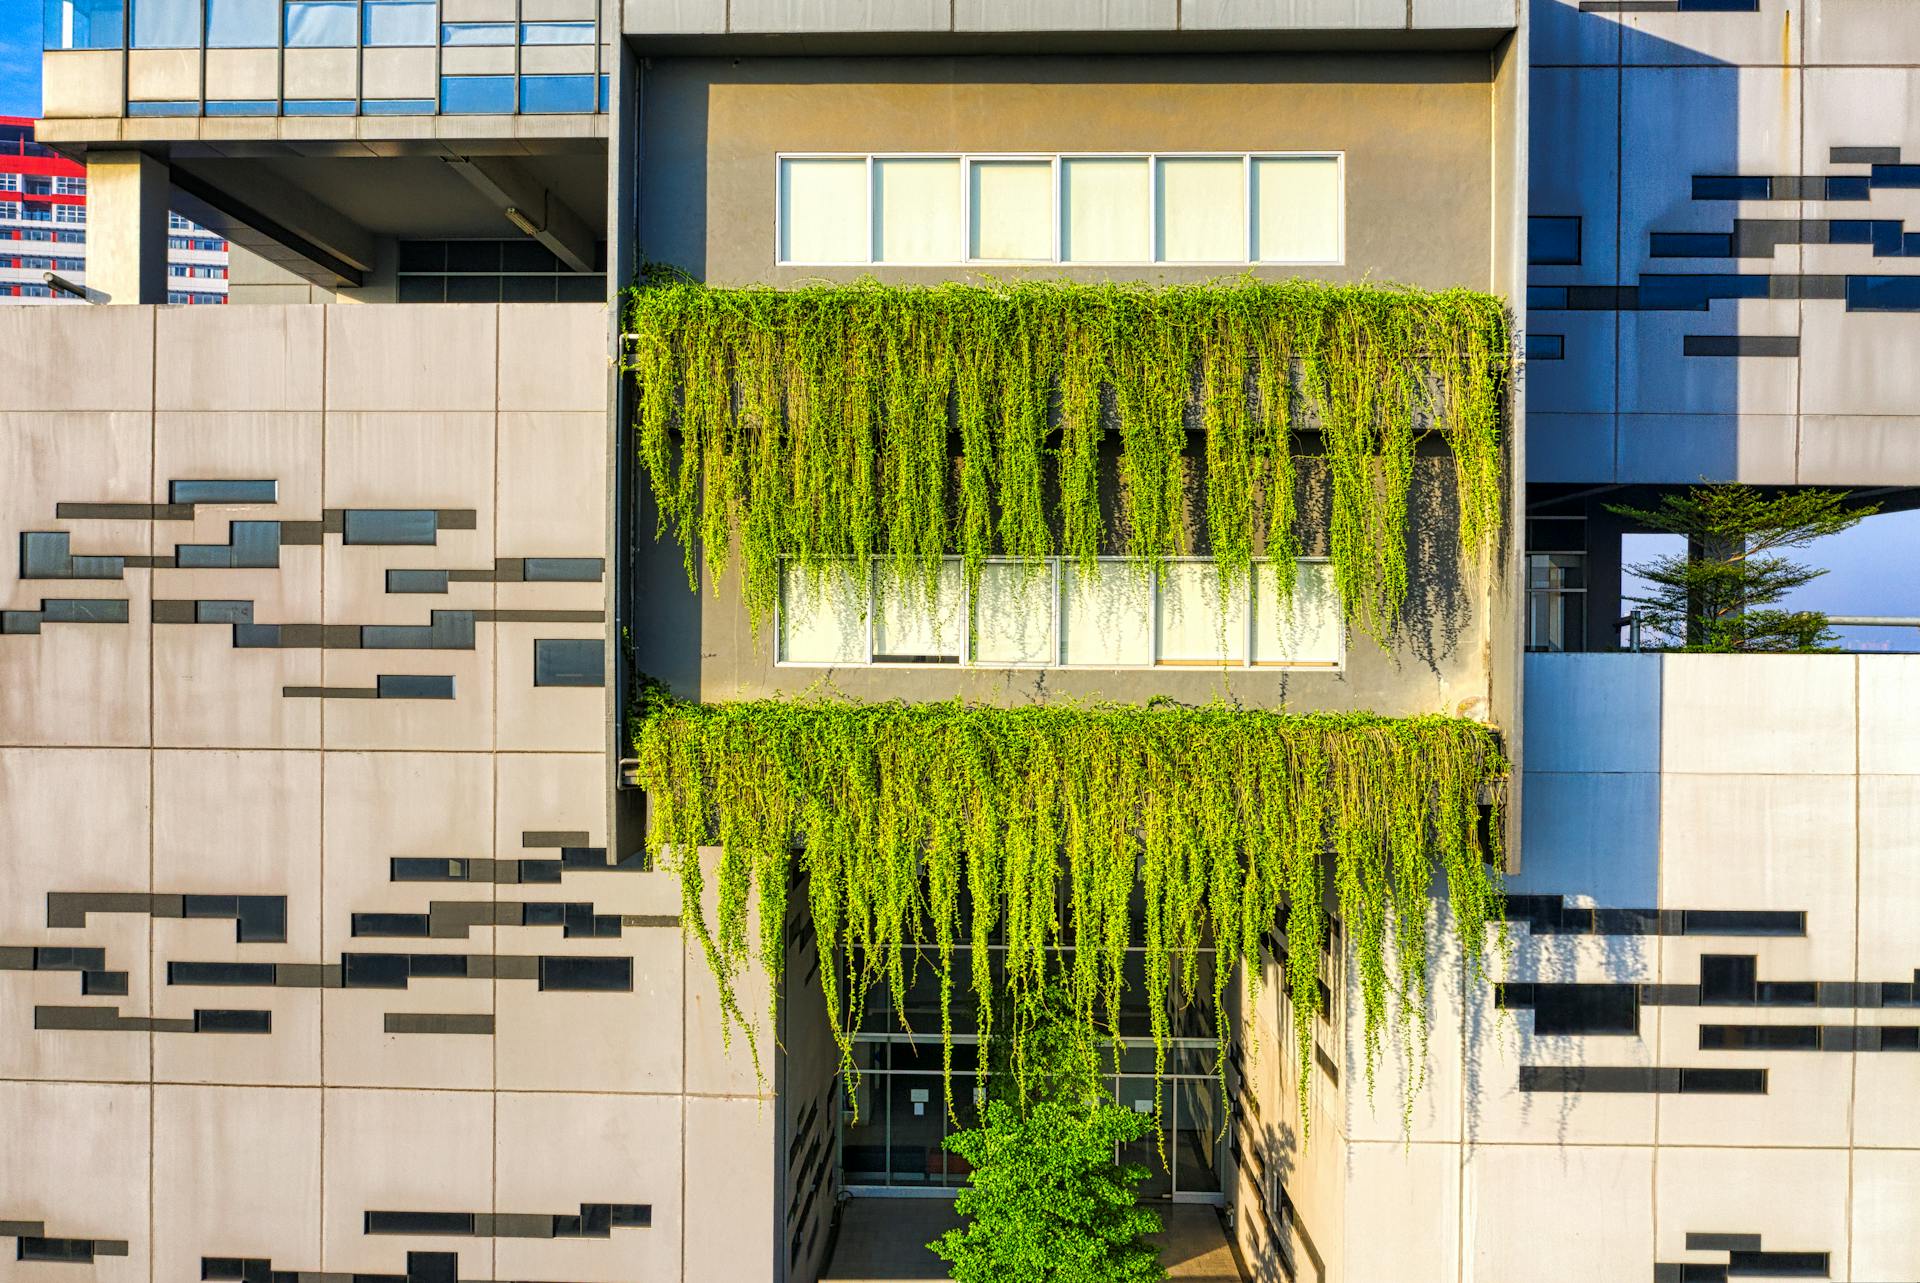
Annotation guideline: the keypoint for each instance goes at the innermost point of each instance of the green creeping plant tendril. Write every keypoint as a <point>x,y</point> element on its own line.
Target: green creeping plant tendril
<point>916,422</point>
<point>1049,823</point>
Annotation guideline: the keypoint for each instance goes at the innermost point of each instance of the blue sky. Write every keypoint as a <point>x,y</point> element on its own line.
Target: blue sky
<point>19,58</point>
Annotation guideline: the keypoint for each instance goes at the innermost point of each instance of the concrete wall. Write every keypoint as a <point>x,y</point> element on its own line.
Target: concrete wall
<point>176,792</point>
<point>1416,130</point>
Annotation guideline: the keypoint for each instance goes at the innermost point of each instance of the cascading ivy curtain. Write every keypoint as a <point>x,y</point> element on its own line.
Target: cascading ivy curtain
<point>908,423</point>
<point>1223,817</point>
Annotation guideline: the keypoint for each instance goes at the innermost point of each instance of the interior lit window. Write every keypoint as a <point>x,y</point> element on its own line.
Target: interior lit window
<point>1297,214</point>
<point>823,617</point>
<point>1198,623</point>
<point>1304,629</point>
<point>912,625</point>
<point>1011,211</point>
<point>823,210</point>
<point>1013,614</point>
<point>1107,214</point>
<point>916,210</point>
<point>1106,616</point>
<point>1203,209</point>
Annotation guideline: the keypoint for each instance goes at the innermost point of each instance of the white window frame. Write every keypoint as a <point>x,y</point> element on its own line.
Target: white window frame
<point>967,161</point>
<point>1056,567</point>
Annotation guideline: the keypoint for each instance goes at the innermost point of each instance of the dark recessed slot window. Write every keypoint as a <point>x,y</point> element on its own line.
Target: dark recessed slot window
<point>1552,534</point>
<point>1723,1242</point>
<point>83,610</point>
<point>540,871</point>
<point>223,612</point>
<point>1546,347</point>
<point>262,919</point>
<point>373,970</point>
<point>632,1215</point>
<point>220,973</point>
<point>1727,978</point>
<point>1546,298</point>
<point>1723,1082</point>
<point>1626,922</point>
<point>426,869</point>
<point>1896,175</point>
<point>542,913</point>
<point>390,526</point>
<point>390,924</point>
<point>1779,1265</point>
<point>433,1267</point>
<point>583,857</point>
<point>1759,1037</point>
<point>1883,293</point>
<point>438,966</point>
<point>1731,187</point>
<point>416,581</point>
<point>223,491</point>
<point>66,1250</point>
<point>1787,993</point>
<point>1849,187</point>
<point>233,1022</point>
<point>569,661</point>
<point>419,1223</point>
<point>1720,6</point>
<point>104,983</point>
<point>582,570</point>
<point>1553,241</point>
<point>1743,922</point>
<point>1898,994</point>
<point>601,975</point>
<point>1692,245</point>
<point>70,959</point>
<point>1905,1038</point>
<point>1560,1010</point>
<point>414,686</point>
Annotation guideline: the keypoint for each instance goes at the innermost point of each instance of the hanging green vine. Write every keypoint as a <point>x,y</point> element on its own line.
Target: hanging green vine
<point>848,421</point>
<point>1045,819</point>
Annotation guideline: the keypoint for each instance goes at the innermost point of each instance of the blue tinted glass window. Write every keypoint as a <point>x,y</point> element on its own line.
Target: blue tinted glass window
<point>187,108</point>
<point>1553,240</point>
<point>396,107</point>
<point>82,24</point>
<point>556,93</point>
<point>556,33</point>
<point>166,24</point>
<point>319,107</point>
<point>244,107</point>
<point>476,33</point>
<point>466,95</point>
<point>243,24</point>
<point>398,22</point>
<point>321,24</point>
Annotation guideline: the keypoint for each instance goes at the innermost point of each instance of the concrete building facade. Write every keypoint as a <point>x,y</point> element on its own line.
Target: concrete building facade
<point>335,950</point>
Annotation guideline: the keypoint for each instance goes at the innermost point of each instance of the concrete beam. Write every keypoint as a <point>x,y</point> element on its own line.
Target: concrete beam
<point>279,222</point>
<point>531,207</point>
<point>127,195</point>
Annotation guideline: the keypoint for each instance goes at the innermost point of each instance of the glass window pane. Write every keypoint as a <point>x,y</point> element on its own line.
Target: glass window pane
<point>556,33</point>
<point>321,24</point>
<point>919,1113</point>
<point>823,617</point>
<point>319,107</point>
<point>1306,630</point>
<point>476,33</point>
<point>551,94</point>
<point>909,629</point>
<point>1108,216</point>
<point>1106,618</point>
<point>1193,627</point>
<point>1013,615</point>
<point>1296,203</point>
<point>243,24</point>
<point>396,107</point>
<point>469,95</point>
<point>863,1144</point>
<point>1137,1094</point>
<point>396,23</point>
<point>244,107</point>
<point>916,211</point>
<point>1203,210</point>
<point>823,211</point>
<point>1011,210</point>
<point>82,24</point>
<point>166,24</point>
<point>1196,1149</point>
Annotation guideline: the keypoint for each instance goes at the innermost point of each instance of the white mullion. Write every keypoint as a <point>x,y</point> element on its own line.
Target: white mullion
<point>966,208</point>
<point>872,255</point>
<point>1059,588</point>
<point>1246,205</point>
<point>1153,207</point>
<point>1059,204</point>
<point>1253,604</point>
<point>873,603</point>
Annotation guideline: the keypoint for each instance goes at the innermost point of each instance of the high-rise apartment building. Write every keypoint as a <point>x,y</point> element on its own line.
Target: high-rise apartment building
<point>336,947</point>
<point>43,228</point>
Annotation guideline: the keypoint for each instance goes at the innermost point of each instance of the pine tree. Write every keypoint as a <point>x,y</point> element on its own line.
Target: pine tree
<point>1722,593</point>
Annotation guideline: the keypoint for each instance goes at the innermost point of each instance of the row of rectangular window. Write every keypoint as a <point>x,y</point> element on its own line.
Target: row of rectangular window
<point>459,96</point>
<point>38,264</point>
<point>293,24</point>
<point>41,235</point>
<point>43,184</point>
<point>30,213</point>
<point>1236,208</point>
<point>1058,614</point>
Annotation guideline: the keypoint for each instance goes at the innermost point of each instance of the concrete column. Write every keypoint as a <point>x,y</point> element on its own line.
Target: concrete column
<point>127,195</point>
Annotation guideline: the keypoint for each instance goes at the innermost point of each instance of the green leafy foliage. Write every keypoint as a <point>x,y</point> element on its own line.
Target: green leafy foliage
<point>1046,819</point>
<point>1720,594</point>
<point>1049,1204</point>
<point>853,421</point>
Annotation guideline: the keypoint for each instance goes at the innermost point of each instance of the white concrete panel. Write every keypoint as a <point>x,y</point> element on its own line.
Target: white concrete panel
<point>1562,35</point>
<point>241,74</point>
<point>1859,449</point>
<point>1573,167</point>
<point>718,1059</point>
<point>795,16</point>
<point>631,1152</point>
<point>1593,712</point>
<point>424,357</point>
<point>730,1207</point>
<point>1889,877</point>
<point>53,845</point>
<point>1853,362</point>
<point>398,73</point>
<point>1886,1189</point>
<point>163,75</point>
<point>42,347</point>
<point>1423,1183</point>
<point>1591,835</point>
<point>477,60</point>
<point>1581,386</point>
<point>1809,1096</point>
<point>1795,1200</point>
<point>1886,1102</point>
<point>1682,449</point>
<point>1476,14</point>
<point>1763,714</point>
<point>1269,15</point>
<point>1860,31</point>
<point>82,84</point>
<point>674,17</point>
<point>216,358</point>
<point>415,1151</point>
<point>1889,691</point>
<point>77,1159</point>
<point>1569,447</point>
<point>1658,377</point>
<point>1574,1213</point>
<point>321,73</point>
<point>1778,842</point>
<point>553,356</point>
<point>214,1196</point>
<point>1065,15</point>
<point>1768,38</point>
